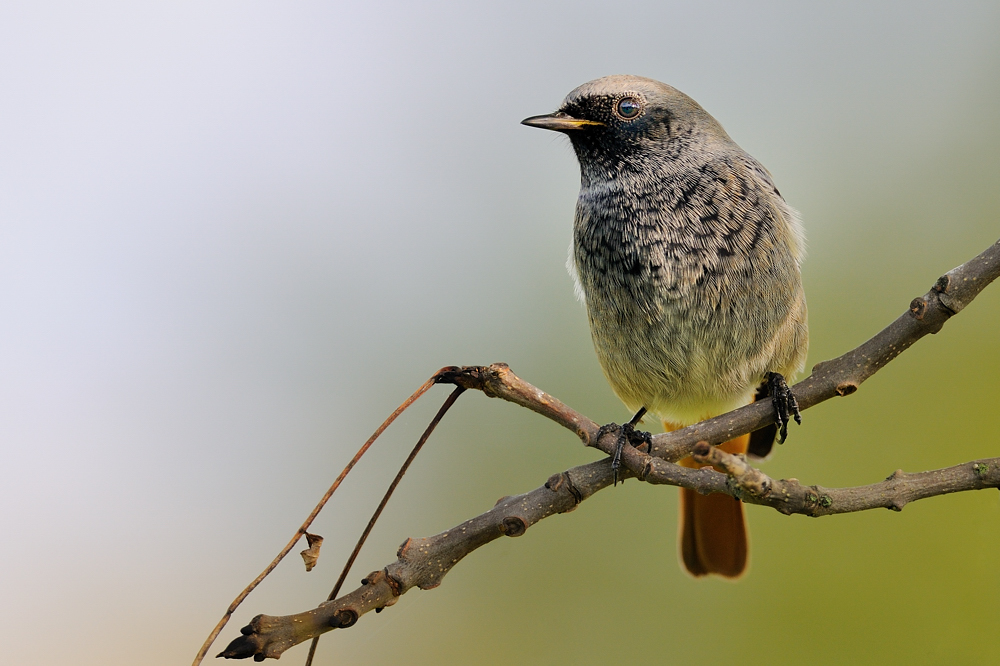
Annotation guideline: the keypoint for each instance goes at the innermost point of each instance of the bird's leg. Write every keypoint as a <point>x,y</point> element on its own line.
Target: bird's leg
<point>626,433</point>
<point>785,405</point>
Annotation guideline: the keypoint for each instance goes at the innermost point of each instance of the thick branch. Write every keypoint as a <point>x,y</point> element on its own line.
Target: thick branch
<point>424,562</point>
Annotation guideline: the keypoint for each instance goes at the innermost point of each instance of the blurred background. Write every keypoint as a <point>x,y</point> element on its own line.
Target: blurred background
<point>235,235</point>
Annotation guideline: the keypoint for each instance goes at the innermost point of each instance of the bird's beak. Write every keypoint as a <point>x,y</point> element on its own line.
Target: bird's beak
<point>560,122</point>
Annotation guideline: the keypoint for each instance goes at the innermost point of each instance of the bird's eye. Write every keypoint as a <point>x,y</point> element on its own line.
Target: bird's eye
<point>628,107</point>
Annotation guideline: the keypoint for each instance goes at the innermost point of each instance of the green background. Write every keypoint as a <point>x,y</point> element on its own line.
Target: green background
<point>235,235</point>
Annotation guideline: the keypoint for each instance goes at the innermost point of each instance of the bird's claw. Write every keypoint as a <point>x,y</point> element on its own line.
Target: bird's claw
<point>625,433</point>
<point>785,405</point>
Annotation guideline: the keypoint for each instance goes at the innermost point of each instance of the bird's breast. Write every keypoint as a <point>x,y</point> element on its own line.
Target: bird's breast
<point>686,280</point>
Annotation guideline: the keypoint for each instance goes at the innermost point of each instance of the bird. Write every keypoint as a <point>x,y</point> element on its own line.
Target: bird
<point>688,260</point>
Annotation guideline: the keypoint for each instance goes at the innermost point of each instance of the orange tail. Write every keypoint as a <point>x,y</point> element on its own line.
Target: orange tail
<point>713,530</point>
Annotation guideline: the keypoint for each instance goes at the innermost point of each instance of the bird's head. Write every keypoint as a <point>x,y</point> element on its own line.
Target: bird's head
<point>622,122</point>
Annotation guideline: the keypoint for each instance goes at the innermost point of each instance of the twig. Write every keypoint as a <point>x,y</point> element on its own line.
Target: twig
<point>749,484</point>
<point>424,562</point>
<point>312,516</point>
<point>449,401</point>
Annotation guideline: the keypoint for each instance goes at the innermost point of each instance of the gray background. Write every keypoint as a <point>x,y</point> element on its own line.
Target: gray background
<point>234,235</point>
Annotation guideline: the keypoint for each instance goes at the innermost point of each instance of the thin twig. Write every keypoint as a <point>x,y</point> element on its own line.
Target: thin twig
<point>312,516</point>
<point>422,563</point>
<point>449,401</point>
<point>788,496</point>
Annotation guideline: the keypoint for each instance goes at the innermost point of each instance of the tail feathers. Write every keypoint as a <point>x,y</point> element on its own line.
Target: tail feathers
<point>713,528</point>
<point>713,534</point>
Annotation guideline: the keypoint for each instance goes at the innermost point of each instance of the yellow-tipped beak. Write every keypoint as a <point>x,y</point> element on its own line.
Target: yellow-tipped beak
<point>560,122</point>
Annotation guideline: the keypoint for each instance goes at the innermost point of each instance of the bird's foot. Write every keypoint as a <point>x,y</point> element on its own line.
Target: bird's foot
<point>785,405</point>
<point>625,434</point>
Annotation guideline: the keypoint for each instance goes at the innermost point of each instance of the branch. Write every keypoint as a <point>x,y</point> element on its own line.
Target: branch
<point>299,533</point>
<point>750,485</point>
<point>424,562</point>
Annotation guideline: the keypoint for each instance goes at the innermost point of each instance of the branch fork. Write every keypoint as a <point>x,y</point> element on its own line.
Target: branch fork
<point>423,562</point>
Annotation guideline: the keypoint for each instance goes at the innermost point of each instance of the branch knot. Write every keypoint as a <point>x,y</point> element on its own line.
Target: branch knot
<point>344,618</point>
<point>513,526</point>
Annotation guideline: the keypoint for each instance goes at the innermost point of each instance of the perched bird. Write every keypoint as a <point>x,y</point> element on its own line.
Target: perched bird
<point>687,258</point>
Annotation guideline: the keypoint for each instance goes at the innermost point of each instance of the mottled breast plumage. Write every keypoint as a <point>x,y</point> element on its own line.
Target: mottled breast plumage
<point>691,278</point>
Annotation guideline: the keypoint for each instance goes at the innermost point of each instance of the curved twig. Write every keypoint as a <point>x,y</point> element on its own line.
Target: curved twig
<point>299,533</point>
<point>449,401</point>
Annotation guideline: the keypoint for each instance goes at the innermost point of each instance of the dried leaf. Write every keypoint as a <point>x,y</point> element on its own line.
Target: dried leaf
<point>311,554</point>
